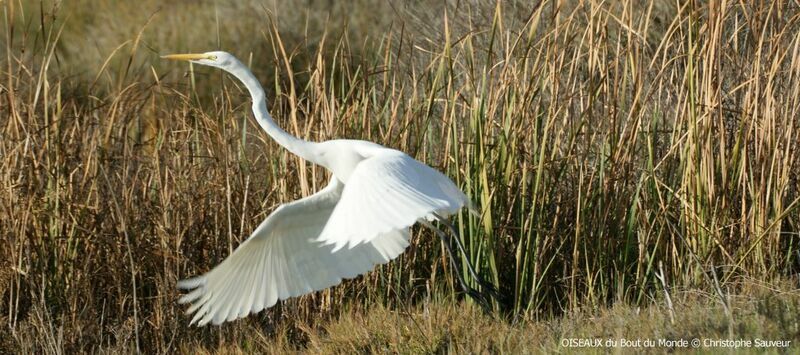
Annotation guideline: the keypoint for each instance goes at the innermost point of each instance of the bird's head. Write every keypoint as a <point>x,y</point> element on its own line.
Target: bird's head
<point>219,59</point>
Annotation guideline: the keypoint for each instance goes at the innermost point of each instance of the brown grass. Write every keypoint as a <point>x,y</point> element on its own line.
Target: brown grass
<point>758,312</point>
<point>619,151</point>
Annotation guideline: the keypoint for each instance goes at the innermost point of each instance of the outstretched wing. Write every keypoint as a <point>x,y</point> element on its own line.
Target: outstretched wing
<point>386,192</point>
<point>282,259</point>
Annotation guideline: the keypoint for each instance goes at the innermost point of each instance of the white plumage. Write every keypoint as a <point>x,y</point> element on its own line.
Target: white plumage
<point>282,259</point>
<point>361,219</point>
<point>389,191</point>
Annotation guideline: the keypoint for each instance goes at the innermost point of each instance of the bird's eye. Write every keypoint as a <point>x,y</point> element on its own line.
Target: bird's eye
<point>212,57</point>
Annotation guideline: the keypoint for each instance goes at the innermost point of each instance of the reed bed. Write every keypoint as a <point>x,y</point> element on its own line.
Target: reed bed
<point>617,151</point>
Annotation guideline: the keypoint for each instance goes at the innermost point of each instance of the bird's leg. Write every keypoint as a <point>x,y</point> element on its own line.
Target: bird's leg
<point>460,246</point>
<point>477,296</point>
<point>490,288</point>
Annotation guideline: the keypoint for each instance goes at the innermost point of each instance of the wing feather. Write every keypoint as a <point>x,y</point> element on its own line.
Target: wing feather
<point>386,192</point>
<point>282,259</point>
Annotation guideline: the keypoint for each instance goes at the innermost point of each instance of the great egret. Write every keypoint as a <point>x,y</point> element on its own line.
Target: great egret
<point>359,220</point>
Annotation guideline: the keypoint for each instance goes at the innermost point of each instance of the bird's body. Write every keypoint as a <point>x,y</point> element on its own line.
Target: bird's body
<point>342,156</point>
<point>359,220</point>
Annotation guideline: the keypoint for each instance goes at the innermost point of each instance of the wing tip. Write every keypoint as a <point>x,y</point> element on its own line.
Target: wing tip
<point>191,283</point>
<point>191,296</point>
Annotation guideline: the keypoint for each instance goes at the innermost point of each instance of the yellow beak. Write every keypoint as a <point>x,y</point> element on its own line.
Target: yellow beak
<point>186,56</point>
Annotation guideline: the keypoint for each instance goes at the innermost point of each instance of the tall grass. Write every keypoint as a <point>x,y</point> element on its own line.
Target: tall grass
<point>616,151</point>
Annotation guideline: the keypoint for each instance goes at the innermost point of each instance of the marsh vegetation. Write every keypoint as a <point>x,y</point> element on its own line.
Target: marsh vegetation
<point>638,156</point>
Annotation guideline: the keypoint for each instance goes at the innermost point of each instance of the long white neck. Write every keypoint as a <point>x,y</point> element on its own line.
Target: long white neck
<point>302,148</point>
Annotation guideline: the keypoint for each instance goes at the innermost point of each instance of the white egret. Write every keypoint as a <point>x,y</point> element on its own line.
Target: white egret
<point>359,220</point>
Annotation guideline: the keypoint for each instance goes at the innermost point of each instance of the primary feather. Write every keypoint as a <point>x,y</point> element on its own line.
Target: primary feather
<point>386,192</point>
<point>282,259</point>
